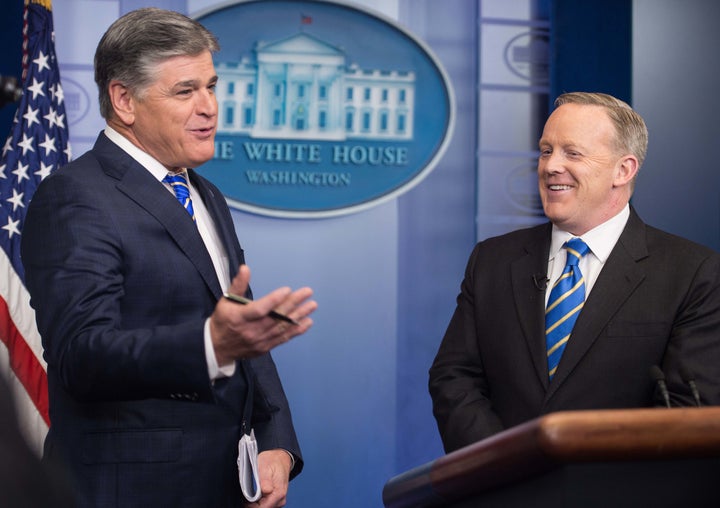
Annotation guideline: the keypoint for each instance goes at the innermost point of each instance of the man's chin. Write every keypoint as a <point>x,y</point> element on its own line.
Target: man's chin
<point>556,215</point>
<point>202,157</point>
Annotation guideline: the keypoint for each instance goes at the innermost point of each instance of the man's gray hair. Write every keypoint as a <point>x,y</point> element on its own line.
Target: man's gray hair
<point>134,45</point>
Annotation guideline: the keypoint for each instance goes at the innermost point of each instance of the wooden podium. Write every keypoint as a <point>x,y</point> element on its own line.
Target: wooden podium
<point>605,458</point>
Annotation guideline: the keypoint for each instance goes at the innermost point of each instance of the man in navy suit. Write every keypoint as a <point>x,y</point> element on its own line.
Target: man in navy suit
<point>651,298</point>
<point>153,376</point>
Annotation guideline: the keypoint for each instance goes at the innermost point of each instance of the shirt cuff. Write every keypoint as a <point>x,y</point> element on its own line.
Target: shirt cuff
<point>292,459</point>
<point>214,370</point>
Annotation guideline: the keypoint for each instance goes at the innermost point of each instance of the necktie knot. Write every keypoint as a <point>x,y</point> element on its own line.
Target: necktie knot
<point>180,187</point>
<point>576,249</point>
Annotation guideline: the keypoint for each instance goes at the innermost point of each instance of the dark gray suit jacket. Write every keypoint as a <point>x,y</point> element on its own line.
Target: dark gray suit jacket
<point>122,284</point>
<point>655,302</point>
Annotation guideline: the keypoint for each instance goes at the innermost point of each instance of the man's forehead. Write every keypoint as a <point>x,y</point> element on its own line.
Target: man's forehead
<point>177,70</point>
<point>579,118</point>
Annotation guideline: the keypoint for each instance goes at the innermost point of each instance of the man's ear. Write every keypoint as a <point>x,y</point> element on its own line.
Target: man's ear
<point>122,101</point>
<point>626,170</point>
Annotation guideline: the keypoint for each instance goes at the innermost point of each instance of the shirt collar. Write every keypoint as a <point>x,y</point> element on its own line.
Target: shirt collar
<point>146,160</point>
<point>601,239</point>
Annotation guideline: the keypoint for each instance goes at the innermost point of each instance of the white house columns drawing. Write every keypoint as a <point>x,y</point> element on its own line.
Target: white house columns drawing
<point>301,87</point>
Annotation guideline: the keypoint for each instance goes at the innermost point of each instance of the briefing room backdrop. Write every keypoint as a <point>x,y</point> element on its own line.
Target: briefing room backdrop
<point>386,277</point>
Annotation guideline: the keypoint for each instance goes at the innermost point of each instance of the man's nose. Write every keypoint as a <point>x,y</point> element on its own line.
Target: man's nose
<point>551,163</point>
<point>207,103</point>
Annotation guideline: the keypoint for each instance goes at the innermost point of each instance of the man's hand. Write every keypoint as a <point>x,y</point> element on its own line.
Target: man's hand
<point>246,331</point>
<point>274,470</point>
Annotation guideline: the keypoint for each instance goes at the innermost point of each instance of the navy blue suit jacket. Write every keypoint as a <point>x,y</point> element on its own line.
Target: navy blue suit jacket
<point>122,284</point>
<point>655,302</point>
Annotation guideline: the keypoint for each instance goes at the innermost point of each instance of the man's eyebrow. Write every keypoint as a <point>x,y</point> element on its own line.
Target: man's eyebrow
<point>186,83</point>
<point>194,82</point>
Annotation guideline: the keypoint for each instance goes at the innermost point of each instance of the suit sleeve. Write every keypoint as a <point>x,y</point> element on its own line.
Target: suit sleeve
<point>76,266</point>
<point>458,385</point>
<point>272,419</point>
<point>693,349</point>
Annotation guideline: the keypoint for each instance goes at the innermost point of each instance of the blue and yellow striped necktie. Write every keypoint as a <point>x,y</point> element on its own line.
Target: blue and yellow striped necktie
<point>567,298</point>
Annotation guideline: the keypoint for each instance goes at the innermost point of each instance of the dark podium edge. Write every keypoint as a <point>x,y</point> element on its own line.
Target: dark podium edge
<point>555,441</point>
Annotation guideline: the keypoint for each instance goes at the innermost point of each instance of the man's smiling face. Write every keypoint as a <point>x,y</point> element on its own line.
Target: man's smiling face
<point>175,118</point>
<point>580,170</point>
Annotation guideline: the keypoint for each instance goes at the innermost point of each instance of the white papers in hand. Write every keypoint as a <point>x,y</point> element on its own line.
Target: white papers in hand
<point>248,467</point>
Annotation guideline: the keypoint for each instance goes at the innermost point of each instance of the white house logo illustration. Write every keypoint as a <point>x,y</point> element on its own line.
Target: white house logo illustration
<point>324,109</point>
<point>302,88</point>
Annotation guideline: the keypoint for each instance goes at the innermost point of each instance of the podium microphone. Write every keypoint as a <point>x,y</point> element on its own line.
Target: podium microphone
<point>689,379</point>
<point>659,378</point>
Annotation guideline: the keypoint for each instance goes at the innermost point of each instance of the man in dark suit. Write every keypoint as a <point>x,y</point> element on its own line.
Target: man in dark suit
<point>647,298</point>
<point>153,376</point>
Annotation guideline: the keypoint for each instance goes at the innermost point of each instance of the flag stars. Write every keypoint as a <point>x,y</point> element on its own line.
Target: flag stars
<point>48,144</point>
<point>21,172</point>
<point>59,94</point>
<point>42,62</point>
<point>44,170</point>
<point>54,119</point>
<point>26,144</point>
<point>37,88</point>
<point>31,116</point>
<point>51,117</point>
<point>40,115</point>
<point>8,146</point>
<point>16,200</point>
<point>12,227</point>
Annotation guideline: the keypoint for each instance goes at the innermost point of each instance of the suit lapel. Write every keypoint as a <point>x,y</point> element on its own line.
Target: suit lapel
<point>223,223</point>
<point>529,300</point>
<point>140,186</point>
<point>617,280</point>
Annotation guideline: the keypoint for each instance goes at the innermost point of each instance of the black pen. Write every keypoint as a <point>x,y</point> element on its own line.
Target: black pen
<point>244,301</point>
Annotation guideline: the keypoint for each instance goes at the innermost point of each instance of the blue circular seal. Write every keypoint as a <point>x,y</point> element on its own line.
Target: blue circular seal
<point>323,109</point>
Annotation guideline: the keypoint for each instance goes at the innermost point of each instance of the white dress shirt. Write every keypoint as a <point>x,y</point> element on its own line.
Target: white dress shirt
<point>601,240</point>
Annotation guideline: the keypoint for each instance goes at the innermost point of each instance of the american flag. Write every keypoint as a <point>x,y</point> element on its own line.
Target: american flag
<point>37,145</point>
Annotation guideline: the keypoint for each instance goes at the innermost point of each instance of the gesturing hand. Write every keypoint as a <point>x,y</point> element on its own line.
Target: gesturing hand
<point>246,331</point>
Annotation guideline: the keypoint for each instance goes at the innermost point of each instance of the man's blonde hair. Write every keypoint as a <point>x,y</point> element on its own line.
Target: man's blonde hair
<point>631,134</point>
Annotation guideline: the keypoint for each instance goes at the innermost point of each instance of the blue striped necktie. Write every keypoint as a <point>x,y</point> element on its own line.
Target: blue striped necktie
<point>182,192</point>
<point>567,298</point>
